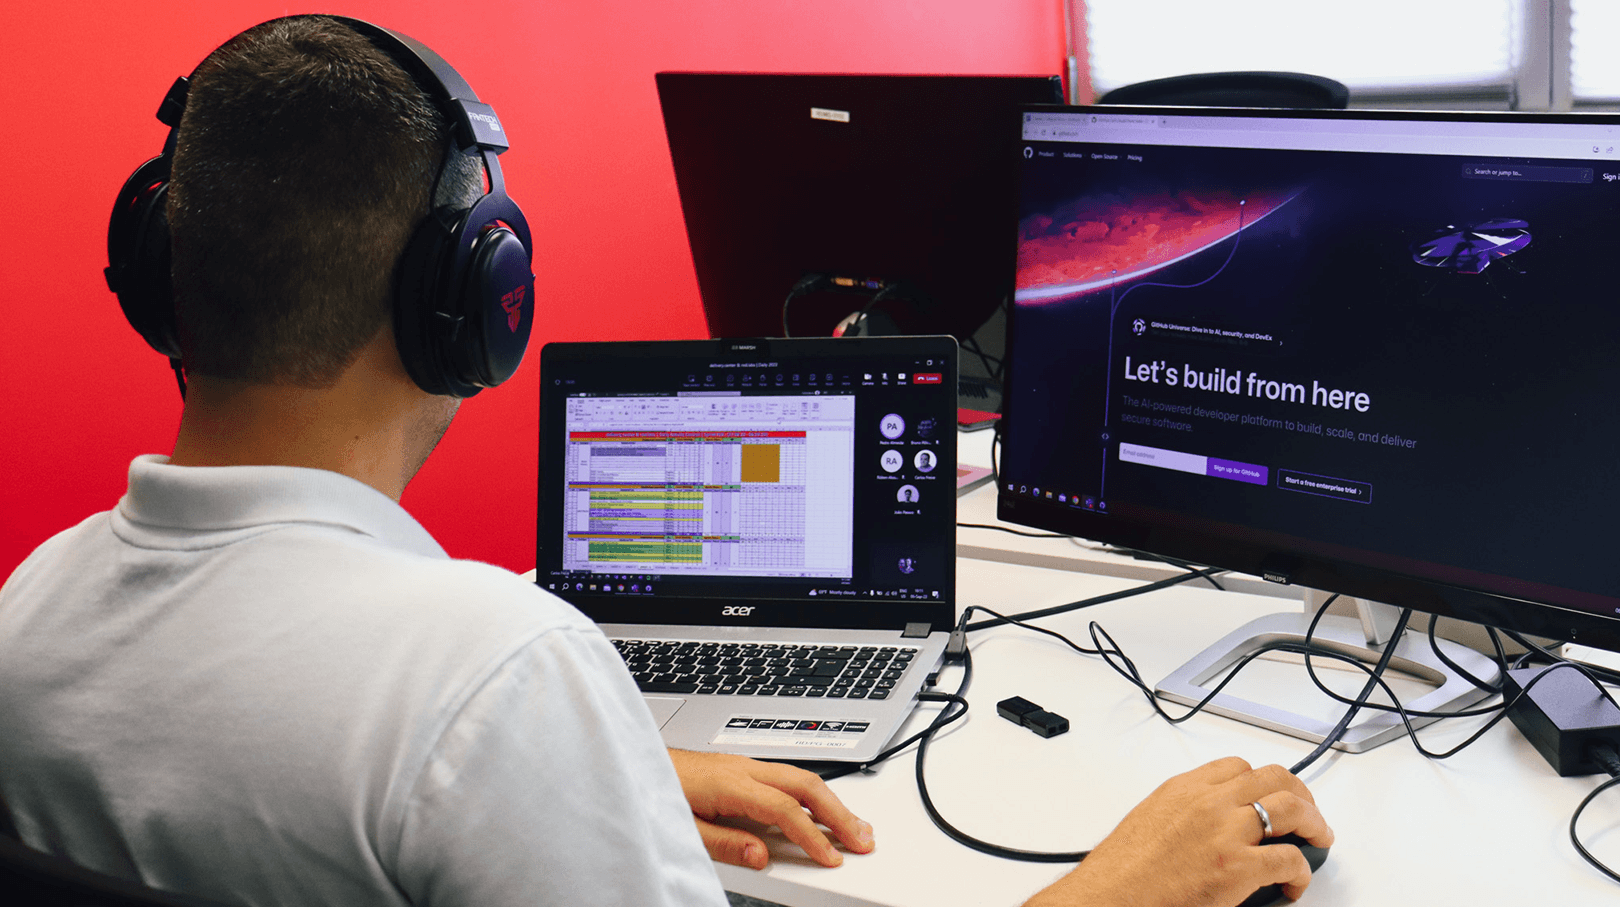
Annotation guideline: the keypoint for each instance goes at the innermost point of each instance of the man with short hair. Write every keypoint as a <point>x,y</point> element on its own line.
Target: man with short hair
<point>258,680</point>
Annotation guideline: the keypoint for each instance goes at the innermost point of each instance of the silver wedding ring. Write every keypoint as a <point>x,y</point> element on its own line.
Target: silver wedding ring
<point>1265,819</point>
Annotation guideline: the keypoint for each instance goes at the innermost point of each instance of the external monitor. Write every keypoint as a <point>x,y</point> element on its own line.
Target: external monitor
<point>877,183</point>
<point>1368,352</point>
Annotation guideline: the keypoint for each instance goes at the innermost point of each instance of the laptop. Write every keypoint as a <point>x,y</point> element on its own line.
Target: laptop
<point>901,181</point>
<point>766,529</point>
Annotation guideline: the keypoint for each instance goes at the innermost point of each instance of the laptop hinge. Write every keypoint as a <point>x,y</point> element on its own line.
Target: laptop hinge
<point>917,630</point>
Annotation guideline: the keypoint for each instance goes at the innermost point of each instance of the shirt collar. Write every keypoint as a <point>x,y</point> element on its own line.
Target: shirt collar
<point>179,502</point>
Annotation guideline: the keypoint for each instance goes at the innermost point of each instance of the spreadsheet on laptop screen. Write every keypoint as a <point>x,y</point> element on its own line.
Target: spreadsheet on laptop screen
<point>755,486</point>
<point>810,471</point>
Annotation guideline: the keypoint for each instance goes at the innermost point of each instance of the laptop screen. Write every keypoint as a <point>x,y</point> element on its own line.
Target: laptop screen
<point>802,482</point>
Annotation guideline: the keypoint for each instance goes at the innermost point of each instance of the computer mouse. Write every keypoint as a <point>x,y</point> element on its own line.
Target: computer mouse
<point>1314,855</point>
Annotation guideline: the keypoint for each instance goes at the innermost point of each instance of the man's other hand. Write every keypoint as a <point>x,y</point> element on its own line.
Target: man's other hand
<point>1198,841</point>
<point>720,786</point>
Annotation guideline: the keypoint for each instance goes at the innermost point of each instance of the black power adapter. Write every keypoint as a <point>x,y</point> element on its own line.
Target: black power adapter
<point>1563,715</point>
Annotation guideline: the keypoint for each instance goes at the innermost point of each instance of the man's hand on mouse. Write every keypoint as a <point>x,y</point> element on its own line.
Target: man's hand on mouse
<point>1195,840</point>
<point>719,786</point>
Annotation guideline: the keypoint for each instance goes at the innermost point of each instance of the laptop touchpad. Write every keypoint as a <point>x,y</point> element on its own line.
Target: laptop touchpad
<point>663,708</point>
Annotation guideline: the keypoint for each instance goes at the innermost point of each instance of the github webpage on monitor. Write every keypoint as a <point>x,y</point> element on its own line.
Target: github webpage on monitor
<point>1383,339</point>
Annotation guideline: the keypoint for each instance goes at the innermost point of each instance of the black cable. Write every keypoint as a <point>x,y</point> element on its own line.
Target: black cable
<point>1128,670</point>
<point>1189,566</point>
<point>1094,600</point>
<point>1495,689</point>
<point>1607,757</point>
<point>1028,535</point>
<point>1501,711</point>
<point>1592,672</point>
<point>922,738</point>
<point>1534,650</point>
<point>945,717</point>
<point>1017,622</point>
<point>956,834</point>
<point>1208,577</point>
<point>1396,706</point>
<point>804,284</point>
<point>1501,659</point>
<point>884,292</point>
<point>926,736</point>
<point>1294,648</point>
<point>1006,306</point>
<point>1112,650</point>
<point>992,364</point>
<point>995,466</point>
<point>1361,700</point>
<point>1603,754</point>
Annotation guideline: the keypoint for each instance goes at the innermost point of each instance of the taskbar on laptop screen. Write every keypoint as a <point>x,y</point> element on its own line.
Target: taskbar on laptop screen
<point>1336,346</point>
<point>750,477</point>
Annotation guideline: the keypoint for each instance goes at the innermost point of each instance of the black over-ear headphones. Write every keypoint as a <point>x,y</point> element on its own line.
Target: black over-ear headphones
<point>464,304</point>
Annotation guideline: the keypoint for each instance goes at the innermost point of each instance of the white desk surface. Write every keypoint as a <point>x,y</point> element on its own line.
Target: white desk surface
<point>1488,826</point>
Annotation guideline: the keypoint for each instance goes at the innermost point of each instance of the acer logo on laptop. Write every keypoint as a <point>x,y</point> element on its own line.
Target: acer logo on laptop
<point>737,610</point>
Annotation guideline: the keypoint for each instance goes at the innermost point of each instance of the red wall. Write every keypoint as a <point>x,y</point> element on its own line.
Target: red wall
<point>573,82</point>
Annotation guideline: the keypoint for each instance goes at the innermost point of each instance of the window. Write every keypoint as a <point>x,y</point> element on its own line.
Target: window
<point>1594,50</point>
<point>1503,54</point>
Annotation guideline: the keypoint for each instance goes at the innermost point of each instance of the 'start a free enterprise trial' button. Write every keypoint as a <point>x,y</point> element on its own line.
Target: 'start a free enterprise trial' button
<point>1326,486</point>
<point>1195,464</point>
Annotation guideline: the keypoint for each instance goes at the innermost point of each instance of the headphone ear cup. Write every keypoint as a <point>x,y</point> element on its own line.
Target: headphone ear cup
<point>138,256</point>
<point>417,306</point>
<point>464,304</point>
<point>500,299</point>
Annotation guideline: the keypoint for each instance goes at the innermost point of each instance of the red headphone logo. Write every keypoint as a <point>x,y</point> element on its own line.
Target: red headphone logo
<point>513,304</point>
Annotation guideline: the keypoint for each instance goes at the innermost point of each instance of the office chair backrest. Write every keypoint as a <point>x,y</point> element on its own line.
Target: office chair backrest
<point>29,878</point>
<point>1235,89</point>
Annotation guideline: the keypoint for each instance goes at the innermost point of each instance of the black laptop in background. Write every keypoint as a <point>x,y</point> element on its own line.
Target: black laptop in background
<point>898,181</point>
<point>766,528</point>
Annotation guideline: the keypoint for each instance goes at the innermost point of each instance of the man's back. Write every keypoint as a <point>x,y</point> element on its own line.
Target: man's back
<point>269,684</point>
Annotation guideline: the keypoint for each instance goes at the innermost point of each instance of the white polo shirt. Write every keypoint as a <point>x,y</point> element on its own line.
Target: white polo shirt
<point>269,685</point>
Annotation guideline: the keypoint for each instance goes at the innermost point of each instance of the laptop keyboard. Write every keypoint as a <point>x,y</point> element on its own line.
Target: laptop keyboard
<point>766,669</point>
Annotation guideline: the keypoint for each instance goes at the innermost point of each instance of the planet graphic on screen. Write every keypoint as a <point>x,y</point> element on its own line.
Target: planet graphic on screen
<point>1088,244</point>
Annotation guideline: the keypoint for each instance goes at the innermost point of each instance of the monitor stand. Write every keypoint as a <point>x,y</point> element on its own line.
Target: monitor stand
<point>1364,641</point>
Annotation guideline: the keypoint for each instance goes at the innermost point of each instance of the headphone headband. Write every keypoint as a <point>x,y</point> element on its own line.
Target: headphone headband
<point>473,123</point>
